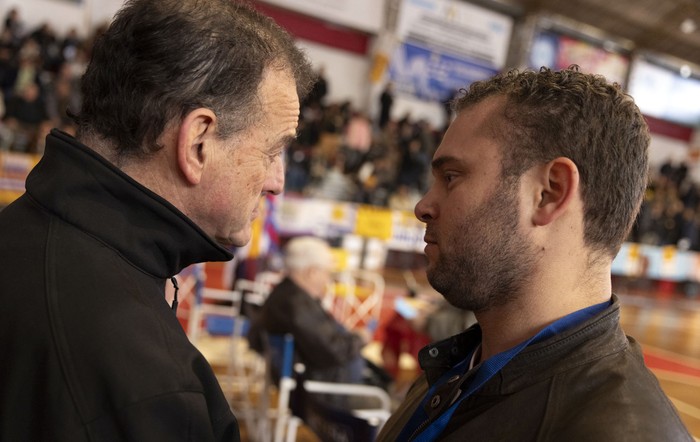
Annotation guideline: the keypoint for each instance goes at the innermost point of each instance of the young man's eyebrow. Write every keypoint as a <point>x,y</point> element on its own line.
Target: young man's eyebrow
<point>438,163</point>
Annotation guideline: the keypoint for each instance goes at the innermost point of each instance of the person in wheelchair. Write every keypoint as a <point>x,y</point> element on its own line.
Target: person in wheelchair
<point>329,351</point>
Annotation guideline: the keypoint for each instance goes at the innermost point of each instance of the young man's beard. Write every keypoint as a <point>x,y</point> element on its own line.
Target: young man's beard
<point>487,260</point>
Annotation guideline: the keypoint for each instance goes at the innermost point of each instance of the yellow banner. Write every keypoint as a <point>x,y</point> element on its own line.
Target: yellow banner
<point>373,222</point>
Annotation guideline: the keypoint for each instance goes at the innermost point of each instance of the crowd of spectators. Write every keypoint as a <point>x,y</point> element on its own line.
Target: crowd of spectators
<point>344,154</point>
<point>39,82</point>
<point>341,152</point>
<point>670,214</point>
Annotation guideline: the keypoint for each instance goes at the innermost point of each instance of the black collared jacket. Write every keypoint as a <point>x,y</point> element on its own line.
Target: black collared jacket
<point>90,349</point>
<point>322,344</point>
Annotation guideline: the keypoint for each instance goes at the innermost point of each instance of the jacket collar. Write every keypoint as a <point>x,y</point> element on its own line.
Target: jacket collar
<point>600,335</point>
<point>594,339</point>
<point>85,190</point>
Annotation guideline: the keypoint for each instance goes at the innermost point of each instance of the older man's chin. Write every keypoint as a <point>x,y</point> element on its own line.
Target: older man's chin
<point>236,239</point>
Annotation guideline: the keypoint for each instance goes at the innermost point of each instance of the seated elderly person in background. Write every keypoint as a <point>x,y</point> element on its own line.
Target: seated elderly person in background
<point>329,351</point>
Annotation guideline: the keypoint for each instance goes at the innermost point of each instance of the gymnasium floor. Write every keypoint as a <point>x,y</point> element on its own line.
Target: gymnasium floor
<point>667,325</point>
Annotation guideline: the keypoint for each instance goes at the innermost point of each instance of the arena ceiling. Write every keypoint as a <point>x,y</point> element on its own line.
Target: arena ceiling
<point>669,27</point>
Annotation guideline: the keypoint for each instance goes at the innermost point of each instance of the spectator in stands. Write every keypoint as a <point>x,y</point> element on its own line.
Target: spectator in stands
<point>418,320</point>
<point>337,183</point>
<point>24,115</point>
<point>49,47</point>
<point>8,70</point>
<point>357,140</point>
<point>404,198</point>
<point>376,181</point>
<point>28,69</point>
<point>63,94</point>
<point>318,92</point>
<point>15,26</point>
<point>329,351</point>
<point>386,103</point>
<point>187,108</point>
<point>414,164</point>
<point>537,184</point>
<point>71,45</point>
<point>298,168</point>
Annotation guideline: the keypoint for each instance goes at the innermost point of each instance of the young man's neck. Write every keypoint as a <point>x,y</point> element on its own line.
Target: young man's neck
<point>506,326</point>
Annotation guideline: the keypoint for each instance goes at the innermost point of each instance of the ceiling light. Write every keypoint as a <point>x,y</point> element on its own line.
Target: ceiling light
<point>688,26</point>
<point>686,71</point>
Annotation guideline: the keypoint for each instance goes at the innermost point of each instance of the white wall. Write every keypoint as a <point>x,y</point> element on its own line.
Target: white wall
<point>663,149</point>
<point>103,10</point>
<point>430,111</point>
<point>62,14</point>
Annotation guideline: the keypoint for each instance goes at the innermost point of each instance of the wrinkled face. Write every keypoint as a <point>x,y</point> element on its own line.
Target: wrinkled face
<point>250,164</point>
<point>477,256</point>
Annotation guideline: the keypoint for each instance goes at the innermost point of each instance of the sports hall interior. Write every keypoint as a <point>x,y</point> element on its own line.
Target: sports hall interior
<point>354,180</point>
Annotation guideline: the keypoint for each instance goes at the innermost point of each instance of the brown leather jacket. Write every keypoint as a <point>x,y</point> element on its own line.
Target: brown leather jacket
<point>588,383</point>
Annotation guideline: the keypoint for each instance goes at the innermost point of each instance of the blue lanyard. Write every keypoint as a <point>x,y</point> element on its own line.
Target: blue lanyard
<point>487,370</point>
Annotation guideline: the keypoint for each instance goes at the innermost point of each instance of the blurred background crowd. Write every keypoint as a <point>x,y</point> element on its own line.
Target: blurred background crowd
<point>39,79</point>
<point>341,153</point>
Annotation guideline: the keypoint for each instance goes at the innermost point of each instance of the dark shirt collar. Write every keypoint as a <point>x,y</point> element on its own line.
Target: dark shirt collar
<point>85,190</point>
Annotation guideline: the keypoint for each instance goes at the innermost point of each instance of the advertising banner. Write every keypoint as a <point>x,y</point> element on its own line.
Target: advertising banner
<point>14,168</point>
<point>558,51</point>
<point>665,94</point>
<point>458,28</point>
<point>433,76</point>
<point>446,45</point>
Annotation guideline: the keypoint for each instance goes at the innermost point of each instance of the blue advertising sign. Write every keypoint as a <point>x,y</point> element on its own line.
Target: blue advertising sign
<point>432,75</point>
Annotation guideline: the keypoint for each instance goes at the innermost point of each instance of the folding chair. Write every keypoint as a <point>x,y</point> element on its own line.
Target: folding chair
<point>216,314</point>
<point>356,299</point>
<point>332,424</point>
<point>253,293</point>
<point>322,418</point>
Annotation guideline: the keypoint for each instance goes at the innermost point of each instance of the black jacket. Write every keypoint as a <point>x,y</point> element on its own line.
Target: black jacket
<point>90,348</point>
<point>320,342</point>
<point>587,384</point>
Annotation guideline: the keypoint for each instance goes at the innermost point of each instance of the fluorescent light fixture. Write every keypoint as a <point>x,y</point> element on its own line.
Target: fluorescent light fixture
<point>688,26</point>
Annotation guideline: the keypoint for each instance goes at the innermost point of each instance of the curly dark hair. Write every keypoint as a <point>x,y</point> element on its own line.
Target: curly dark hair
<point>161,59</point>
<point>549,114</point>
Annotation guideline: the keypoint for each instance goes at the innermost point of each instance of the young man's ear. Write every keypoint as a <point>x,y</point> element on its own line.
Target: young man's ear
<point>196,131</point>
<point>558,182</point>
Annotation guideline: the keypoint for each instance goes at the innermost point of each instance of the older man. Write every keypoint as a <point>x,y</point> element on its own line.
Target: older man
<point>329,351</point>
<point>188,106</point>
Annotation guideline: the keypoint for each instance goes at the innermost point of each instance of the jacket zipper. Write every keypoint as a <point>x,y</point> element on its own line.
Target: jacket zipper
<point>418,430</point>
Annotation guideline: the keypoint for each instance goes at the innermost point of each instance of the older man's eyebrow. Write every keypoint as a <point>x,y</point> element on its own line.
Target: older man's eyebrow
<point>287,140</point>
